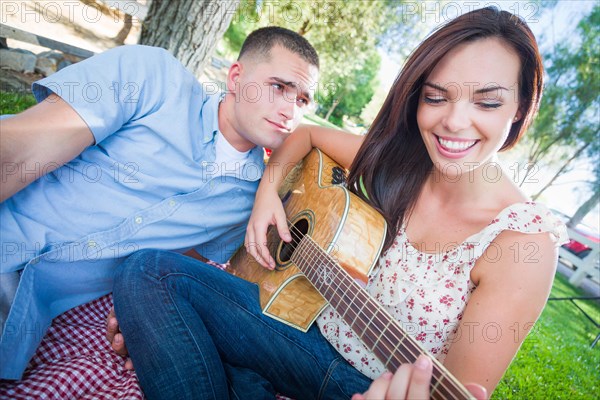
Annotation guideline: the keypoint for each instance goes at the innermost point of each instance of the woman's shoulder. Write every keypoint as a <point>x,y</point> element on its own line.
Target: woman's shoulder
<point>528,217</point>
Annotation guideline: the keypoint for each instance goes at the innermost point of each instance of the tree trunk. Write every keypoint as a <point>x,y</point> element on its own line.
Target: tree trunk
<point>585,208</point>
<point>331,109</point>
<point>189,29</point>
<point>124,32</point>
<point>561,170</point>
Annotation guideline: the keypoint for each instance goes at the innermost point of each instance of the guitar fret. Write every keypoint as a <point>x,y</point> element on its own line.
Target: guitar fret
<point>440,391</point>
<point>358,321</point>
<point>393,355</point>
<point>367,324</point>
<point>374,347</point>
<point>390,343</point>
<point>349,303</point>
<point>378,330</point>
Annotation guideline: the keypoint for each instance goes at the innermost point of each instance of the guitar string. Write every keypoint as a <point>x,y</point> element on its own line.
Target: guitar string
<point>312,258</point>
<point>299,235</point>
<point>440,383</point>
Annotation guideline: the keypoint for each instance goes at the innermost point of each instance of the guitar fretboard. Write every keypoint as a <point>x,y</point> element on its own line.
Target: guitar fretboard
<point>376,328</point>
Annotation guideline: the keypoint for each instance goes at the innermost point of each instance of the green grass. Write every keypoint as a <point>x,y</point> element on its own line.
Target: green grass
<point>320,121</point>
<point>556,361</point>
<point>12,103</point>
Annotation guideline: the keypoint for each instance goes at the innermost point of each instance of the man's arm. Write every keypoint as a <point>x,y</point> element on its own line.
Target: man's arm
<point>39,140</point>
<point>339,145</point>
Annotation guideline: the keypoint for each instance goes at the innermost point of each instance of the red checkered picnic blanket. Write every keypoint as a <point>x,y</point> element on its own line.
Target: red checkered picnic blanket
<point>75,361</point>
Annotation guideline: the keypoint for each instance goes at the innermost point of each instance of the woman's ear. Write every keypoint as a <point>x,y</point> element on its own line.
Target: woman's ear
<point>233,76</point>
<point>518,116</point>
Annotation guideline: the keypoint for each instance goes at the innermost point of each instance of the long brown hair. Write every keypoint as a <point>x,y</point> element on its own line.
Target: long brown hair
<point>392,163</point>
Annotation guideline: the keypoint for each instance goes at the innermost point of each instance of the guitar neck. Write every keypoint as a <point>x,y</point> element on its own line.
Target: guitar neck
<point>376,328</point>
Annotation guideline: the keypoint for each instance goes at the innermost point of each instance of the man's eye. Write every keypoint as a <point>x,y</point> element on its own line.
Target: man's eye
<point>277,86</point>
<point>302,102</point>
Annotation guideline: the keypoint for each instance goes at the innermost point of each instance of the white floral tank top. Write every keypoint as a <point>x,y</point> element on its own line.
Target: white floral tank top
<point>427,293</point>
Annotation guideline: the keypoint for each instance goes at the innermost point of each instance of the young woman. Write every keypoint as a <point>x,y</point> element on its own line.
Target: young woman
<point>467,257</point>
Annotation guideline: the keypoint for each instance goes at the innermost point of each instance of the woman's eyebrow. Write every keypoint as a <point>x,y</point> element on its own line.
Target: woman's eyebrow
<point>478,91</point>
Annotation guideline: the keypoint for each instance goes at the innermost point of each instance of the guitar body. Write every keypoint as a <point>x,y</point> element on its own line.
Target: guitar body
<point>338,221</point>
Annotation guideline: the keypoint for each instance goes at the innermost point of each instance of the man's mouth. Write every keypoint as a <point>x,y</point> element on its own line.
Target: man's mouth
<point>279,126</point>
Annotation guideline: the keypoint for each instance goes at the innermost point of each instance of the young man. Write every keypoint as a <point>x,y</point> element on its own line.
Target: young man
<point>127,151</point>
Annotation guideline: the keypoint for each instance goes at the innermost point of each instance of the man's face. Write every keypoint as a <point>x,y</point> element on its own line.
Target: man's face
<point>271,96</point>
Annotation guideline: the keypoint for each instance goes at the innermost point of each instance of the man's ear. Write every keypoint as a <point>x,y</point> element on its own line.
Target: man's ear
<point>233,76</point>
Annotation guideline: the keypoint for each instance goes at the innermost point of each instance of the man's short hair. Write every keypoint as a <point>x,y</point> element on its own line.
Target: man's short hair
<point>260,42</point>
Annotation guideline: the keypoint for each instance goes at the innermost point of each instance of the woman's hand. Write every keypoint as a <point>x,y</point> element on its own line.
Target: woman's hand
<point>267,210</point>
<point>411,381</point>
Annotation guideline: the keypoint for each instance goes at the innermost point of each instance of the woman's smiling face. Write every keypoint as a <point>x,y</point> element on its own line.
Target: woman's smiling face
<point>468,105</point>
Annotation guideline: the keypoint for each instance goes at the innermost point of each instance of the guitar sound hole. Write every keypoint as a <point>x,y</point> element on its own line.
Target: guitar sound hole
<point>298,230</point>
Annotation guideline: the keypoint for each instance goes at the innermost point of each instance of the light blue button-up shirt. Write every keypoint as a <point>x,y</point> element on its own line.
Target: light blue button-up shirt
<point>150,181</point>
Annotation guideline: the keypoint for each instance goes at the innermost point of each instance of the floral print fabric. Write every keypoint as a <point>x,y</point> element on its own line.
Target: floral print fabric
<point>427,293</point>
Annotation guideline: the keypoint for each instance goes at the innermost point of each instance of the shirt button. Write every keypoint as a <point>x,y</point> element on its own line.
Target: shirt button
<point>204,163</point>
<point>138,220</point>
<point>91,243</point>
<point>172,203</point>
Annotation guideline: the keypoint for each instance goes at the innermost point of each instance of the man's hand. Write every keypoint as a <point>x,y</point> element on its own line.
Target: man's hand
<point>115,337</point>
<point>267,211</point>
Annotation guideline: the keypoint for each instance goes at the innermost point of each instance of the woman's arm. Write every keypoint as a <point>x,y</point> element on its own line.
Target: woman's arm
<point>514,278</point>
<point>268,210</point>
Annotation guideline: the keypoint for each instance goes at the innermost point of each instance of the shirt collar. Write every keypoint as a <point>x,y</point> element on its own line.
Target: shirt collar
<point>210,117</point>
<point>210,123</point>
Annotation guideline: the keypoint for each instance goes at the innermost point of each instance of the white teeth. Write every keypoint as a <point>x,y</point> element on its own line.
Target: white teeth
<point>456,145</point>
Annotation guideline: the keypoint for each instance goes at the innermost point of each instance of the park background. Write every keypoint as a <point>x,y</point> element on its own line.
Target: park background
<point>362,45</point>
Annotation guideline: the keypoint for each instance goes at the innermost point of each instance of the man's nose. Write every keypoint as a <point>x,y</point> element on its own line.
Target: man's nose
<point>287,107</point>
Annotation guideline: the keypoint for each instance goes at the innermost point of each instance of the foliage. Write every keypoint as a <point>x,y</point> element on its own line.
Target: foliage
<point>556,360</point>
<point>346,35</point>
<point>13,103</point>
<point>566,128</point>
<point>350,93</point>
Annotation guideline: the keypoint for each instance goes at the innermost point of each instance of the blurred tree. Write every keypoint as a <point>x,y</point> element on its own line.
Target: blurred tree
<point>345,33</point>
<point>189,29</point>
<point>351,93</point>
<point>567,127</point>
<point>586,207</point>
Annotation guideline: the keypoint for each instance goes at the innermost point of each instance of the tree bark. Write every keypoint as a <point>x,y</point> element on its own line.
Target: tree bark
<point>124,32</point>
<point>189,29</point>
<point>585,208</point>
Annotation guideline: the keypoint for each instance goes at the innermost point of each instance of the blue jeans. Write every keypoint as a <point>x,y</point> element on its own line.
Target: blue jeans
<point>196,332</point>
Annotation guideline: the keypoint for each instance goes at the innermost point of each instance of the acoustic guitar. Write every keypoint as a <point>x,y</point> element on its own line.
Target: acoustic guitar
<point>336,241</point>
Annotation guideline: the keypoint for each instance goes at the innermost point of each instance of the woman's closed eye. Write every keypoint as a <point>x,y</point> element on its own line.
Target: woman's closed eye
<point>489,105</point>
<point>433,99</point>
